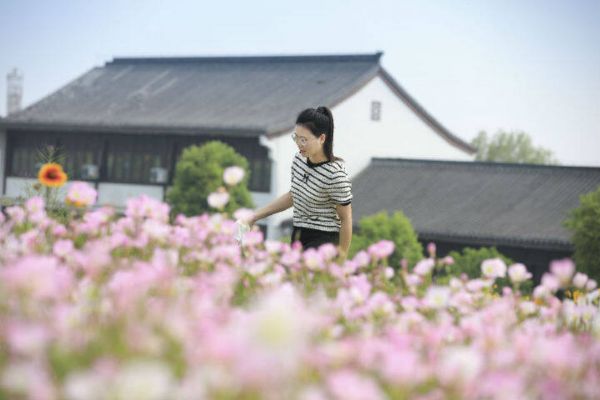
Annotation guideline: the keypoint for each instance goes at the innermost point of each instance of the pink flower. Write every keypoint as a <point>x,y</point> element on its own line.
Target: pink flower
<point>361,259</point>
<point>35,208</point>
<point>253,238</point>
<point>41,277</point>
<point>16,214</point>
<point>550,282</point>
<point>579,280</point>
<point>381,249</point>
<point>431,249</point>
<point>63,247</point>
<point>563,270</point>
<point>448,260</point>
<point>147,207</point>
<point>328,251</point>
<point>349,385</point>
<point>424,267</point>
<point>243,214</point>
<point>313,259</point>
<point>81,194</point>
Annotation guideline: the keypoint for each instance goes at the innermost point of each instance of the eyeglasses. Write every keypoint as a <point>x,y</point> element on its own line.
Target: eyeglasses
<point>299,140</point>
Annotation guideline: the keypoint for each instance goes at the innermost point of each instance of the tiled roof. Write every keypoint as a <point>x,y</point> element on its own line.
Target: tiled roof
<point>488,203</point>
<point>220,95</point>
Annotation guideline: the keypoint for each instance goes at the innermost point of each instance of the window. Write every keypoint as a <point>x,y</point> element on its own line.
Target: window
<point>137,159</point>
<point>82,155</point>
<point>25,151</point>
<point>375,111</point>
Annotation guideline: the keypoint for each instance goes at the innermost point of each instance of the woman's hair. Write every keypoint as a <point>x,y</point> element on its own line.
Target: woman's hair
<point>319,120</point>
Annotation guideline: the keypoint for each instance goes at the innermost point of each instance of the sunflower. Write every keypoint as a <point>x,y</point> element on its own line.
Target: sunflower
<point>52,175</point>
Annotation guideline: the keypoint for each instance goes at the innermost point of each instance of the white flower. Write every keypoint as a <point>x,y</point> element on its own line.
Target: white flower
<point>144,380</point>
<point>528,307</point>
<point>461,364</point>
<point>493,268</point>
<point>218,199</point>
<point>437,296</point>
<point>85,386</point>
<point>579,280</point>
<point>233,175</point>
<point>518,273</point>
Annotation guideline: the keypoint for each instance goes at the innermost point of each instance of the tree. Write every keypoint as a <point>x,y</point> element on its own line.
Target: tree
<point>510,147</point>
<point>199,172</point>
<point>584,223</point>
<point>396,228</point>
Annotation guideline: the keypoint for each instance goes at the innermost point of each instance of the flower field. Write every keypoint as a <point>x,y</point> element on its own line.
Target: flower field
<point>136,307</point>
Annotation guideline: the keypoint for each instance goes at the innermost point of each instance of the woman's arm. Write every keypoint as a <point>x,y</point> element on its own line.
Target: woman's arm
<point>345,214</point>
<point>282,203</point>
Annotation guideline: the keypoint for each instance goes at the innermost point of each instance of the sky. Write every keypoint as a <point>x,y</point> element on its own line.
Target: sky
<point>527,65</point>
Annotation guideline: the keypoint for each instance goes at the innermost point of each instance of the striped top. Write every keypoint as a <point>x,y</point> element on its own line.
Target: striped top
<point>316,190</point>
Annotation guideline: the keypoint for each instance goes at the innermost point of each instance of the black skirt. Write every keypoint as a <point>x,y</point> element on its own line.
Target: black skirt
<point>313,238</point>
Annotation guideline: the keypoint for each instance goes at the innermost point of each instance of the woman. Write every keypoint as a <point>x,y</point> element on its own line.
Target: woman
<point>321,193</point>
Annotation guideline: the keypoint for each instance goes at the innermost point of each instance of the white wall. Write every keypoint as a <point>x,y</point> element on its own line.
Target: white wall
<point>116,194</point>
<point>2,160</point>
<point>16,187</point>
<point>400,133</point>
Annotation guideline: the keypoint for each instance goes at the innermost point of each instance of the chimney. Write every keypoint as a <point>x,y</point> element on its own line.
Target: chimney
<point>14,91</point>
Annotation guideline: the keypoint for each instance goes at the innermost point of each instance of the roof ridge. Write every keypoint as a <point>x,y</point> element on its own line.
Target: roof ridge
<point>367,57</point>
<point>485,164</point>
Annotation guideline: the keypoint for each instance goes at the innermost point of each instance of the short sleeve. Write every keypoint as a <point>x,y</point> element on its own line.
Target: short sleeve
<point>340,189</point>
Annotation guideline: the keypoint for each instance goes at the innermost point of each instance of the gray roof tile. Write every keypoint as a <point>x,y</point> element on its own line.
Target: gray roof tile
<point>226,93</point>
<point>501,203</point>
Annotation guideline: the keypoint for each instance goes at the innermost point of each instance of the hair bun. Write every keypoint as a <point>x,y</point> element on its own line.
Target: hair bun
<point>322,110</point>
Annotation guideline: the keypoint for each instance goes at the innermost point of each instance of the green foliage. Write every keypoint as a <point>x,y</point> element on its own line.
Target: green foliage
<point>510,147</point>
<point>396,228</point>
<point>199,172</point>
<point>584,223</point>
<point>469,262</point>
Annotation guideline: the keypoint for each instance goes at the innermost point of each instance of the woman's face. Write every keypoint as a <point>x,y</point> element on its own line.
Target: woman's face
<point>307,143</point>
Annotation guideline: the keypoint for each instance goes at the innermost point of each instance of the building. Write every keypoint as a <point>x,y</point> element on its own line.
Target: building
<point>123,125</point>
<point>517,208</point>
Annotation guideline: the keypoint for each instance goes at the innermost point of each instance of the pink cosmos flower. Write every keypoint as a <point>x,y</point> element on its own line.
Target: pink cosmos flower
<point>551,282</point>
<point>63,247</point>
<point>431,248</point>
<point>313,259</point>
<point>424,267</point>
<point>349,385</point>
<point>81,194</point>
<point>243,214</point>
<point>361,259</point>
<point>580,280</point>
<point>381,249</point>
<point>448,260</point>
<point>563,270</point>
